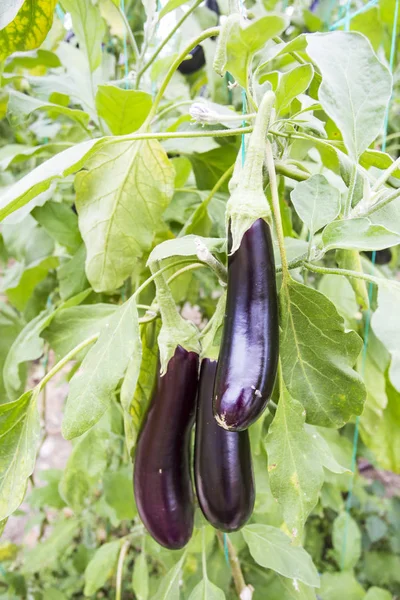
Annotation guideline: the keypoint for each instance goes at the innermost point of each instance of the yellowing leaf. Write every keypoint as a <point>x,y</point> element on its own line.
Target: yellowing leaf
<point>120,201</point>
<point>29,28</point>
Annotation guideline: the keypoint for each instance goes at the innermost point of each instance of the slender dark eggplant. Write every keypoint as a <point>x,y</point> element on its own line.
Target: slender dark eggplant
<point>223,471</point>
<point>249,352</point>
<point>162,480</point>
<point>198,59</point>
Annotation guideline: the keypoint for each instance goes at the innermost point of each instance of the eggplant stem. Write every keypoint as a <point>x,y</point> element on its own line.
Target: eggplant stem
<point>244,591</point>
<point>120,569</point>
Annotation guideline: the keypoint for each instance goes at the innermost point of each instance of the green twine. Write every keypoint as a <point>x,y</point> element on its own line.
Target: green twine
<point>226,550</point>
<point>60,12</point>
<point>351,16</point>
<point>370,289</point>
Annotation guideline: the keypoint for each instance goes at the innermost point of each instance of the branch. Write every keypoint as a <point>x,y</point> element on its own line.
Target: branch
<point>120,568</point>
<point>345,272</point>
<point>245,592</point>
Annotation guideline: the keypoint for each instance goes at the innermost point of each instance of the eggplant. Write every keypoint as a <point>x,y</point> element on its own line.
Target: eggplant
<point>223,471</point>
<point>198,60</point>
<point>249,351</point>
<point>191,65</point>
<point>162,478</point>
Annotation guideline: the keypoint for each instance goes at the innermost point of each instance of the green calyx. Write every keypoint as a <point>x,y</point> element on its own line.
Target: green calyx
<point>248,202</point>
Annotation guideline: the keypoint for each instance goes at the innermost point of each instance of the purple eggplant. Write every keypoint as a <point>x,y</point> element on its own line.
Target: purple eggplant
<point>223,471</point>
<point>198,59</point>
<point>249,351</point>
<point>162,480</point>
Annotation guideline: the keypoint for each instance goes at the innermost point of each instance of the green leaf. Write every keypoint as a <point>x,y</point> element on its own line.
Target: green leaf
<point>339,291</point>
<point>29,27</point>
<point>8,11</point>
<point>85,467</point>
<point>386,325</point>
<point>136,390</point>
<point>169,586</point>
<point>39,179</point>
<point>49,552</point>
<point>88,27</point>
<point>47,495</point>
<point>20,281</point>
<point>118,492</point>
<point>282,588</point>
<point>369,24</point>
<point>185,246</point>
<point>346,538</point>
<point>325,441</point>
<point>382,434</point>
<point>356,86</point>
<point>376,528</point>
<point>208,167</point>
<point>120,201</point>
<point>124,111</point>
<point>10,326</point>
<point>358,234</point>
<point>140,577</point>
<point>295,471</point>
<point>291,84</point>
<point>60,222</point>
<point>205,590</point>
<point>318,356</point>
<point>375,593</point>
<point>91,389</point>
<point>244,42</point>
<point>316,202</point>
<point>341,585</point>
<point>20,106</point>
<point>71,274</point>
<point>101,567</point>
<point>272,549</point>
<point>74,325</point>
<point>169,6</point>
<point>20,429</point>
<point>16,153</point>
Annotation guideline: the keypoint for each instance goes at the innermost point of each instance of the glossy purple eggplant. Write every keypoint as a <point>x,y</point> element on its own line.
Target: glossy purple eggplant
<point>198,59</point>
<point>223,471</point>
<point>249,351</point>
<point>162,479</point>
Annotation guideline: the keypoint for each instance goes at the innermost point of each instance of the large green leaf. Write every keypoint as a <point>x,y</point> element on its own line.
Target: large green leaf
<point>358,234</point>
<point>21,280</point>
<point>118,493</point>
<point>49,552</point>
<point>375,593</point>
<point>10,326</point>
<point>88,27</point>
<point>316,202</point>
<point>356,86</point>
<point>205,590</point>
<point>85,467</point>
<point>318,356</point>
<point>101,567</point>
<point>71,274</point>
<point>137,388</point>
<point>386,325</point>
<point>245,40</point>
<point>20,106</point>
<point>272,549</point>
<point>74,325</point>
<point>169,586</point>
<point>8,11</point>
<point>91,389</point>
<point>295,471</point>
<point>291,84</point>
<point>185,246</point>
<point>120,201</point>
<point>124,111</point>
<point>346,538</point>
<point>39,179</point>
<point>29,27</point>
<point>60,222</point>
<point>341,585</point>
<point>20,429</point>
<point>140,577</point>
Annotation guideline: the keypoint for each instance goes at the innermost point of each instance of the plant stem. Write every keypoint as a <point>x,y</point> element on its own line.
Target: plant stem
<point>204,255</point>
<point>211,32</point>
<point>385,175</point>
<point>120,568</point>
<point>237,575</point>
<point>188,227</point>
<point>191,267</point>
<point>170,135</point>
<point>130,33</point>
<point>378,205</point>
<point>203,553</point>
<point>172,107</point>
<point>162,270</point>
<point>166,40</point>
<point>61,363</point>
<point>291,172</point>
<point>276,210</point>
<point>352,185</point>
<point>345,272</point>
